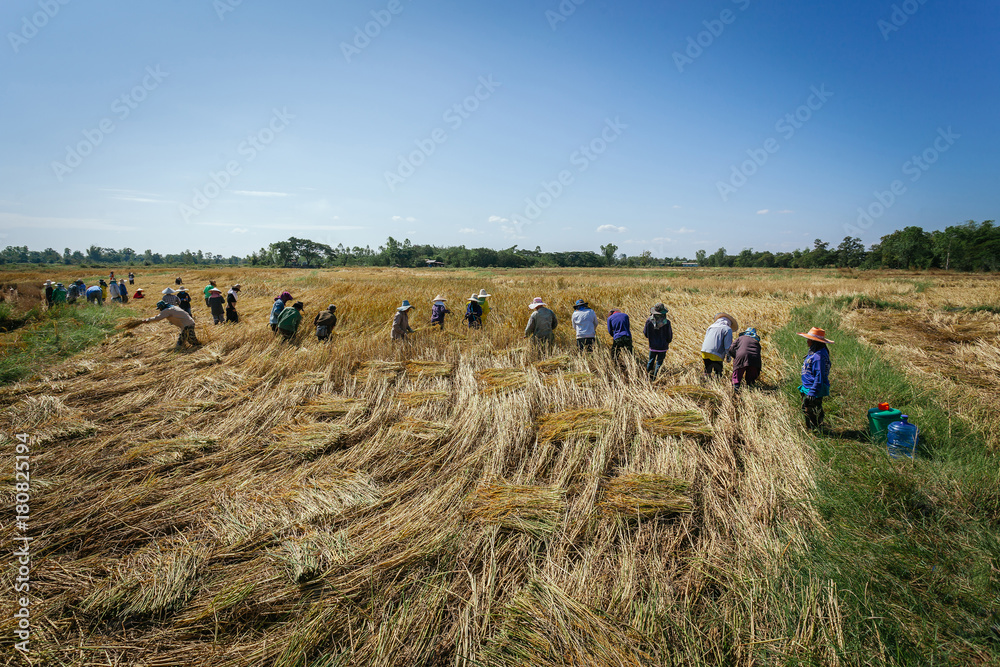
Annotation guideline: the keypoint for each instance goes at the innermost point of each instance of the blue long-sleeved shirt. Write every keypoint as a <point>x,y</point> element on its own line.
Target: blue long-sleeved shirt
<point>276,309</point>
<point>816,374</point>
<point>619,326</point>
<point>659,338</point>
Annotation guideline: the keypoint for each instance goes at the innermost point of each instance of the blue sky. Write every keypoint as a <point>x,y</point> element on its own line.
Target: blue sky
<point>226,125</point>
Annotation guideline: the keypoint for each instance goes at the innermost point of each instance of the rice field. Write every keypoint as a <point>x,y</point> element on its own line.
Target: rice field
<point>463,498</point>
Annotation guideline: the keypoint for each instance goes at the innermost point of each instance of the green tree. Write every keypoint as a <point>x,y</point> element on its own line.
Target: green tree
<point>609,251</point>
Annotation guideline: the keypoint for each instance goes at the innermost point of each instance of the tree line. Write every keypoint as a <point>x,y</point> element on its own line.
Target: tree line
<point>971,246</point>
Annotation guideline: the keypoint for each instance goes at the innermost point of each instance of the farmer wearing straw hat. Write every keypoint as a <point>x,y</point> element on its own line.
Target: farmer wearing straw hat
<point>131,278</point>
<point>218,305</point>
<point>231,314</point>
<point>474,312</point>
<point>113,291</point>
<point>585,323</point>
<point>48,293</point>
<point>59,294</point>
<point>745,352</point>
<point>401,322</point>
<point>95,295</point>
<point>122,290</point>
<point>104,289</point>
<point>139,294</point>
<point>542,323</point>
<point>483,303</point>
<point>718,338</point>
<point>815,378</point>
<point>178,318</point>
<point>438,311</point>
<point>184,301</point>
<point>170,296</point>
<point>279,305</point>
<point>289,320</point>
<point>659,334</point>
<point>325,321</point>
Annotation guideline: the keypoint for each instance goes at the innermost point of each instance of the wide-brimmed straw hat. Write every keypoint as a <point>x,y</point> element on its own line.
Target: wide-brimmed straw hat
<point>439,298</point>
<point>483,294</point>
<point>816,334</point>
<point>474,297</point>
<point>406,305</point>
<point>733,324</point>
<point>214,289</point>
<point>536,303</point>
<point>169,290</point>
<point>47,283</point>
<point>658,309</point>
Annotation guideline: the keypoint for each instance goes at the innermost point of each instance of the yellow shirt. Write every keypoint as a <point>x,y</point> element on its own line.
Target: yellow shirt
<point>710,356</point>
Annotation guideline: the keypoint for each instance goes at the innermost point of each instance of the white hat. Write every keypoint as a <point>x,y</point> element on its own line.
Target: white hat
<point>483,294</point>
<point>536,303</point>
<point>439,298</point>
<point>474,297</point>
<point>48,282</point>
<point>168,290</point>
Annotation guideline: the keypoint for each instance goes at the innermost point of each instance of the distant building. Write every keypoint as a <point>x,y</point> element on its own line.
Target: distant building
<point>433,262</point>
<point>692,265</point>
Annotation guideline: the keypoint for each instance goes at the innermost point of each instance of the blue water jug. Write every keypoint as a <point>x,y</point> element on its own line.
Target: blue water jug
<point>902,439</point>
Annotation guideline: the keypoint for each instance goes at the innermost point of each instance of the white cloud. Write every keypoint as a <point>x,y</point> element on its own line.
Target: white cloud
<point>785,211</point>
<point>675,206</point>
<point>612,228</point>
<point>497,218</point>
<point>259,193</point>
<point>18,221</point>
<point>685,230</point>
<point>469,230</point>
<point>239,230</point>
<point>763,211</point>
<point>399,218</point>
<point>508,228</point>
<point>289,227</point>
<point>766,211</point>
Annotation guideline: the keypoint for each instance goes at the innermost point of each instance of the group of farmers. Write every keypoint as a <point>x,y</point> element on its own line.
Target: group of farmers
<point>719,343</point>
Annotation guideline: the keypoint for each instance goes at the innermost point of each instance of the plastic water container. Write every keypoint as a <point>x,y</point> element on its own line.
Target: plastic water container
<point>902,439</point>
<point>878,422</point>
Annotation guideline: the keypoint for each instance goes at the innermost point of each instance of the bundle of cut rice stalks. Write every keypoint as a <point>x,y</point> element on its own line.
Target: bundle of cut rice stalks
<point>379,370</point>
<point>695,393</point>
<point>500,380</point>
<point>166,452</point>
<point>544,627</point>
<point>579,379</point>
<point>330,407</point>
<point>678,424</point>
<point>308,441</point>
<point>584,423</point>
<point>428,369</point>
<point>412,399</point>
<point>553,364</point>
<point>307,557</point>
<point>643,496</point>
<point>130,324</point>
<point>420,429</point>
<point>536,510</point>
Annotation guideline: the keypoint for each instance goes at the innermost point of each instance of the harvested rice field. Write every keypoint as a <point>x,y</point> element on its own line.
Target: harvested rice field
<point>465,498</point>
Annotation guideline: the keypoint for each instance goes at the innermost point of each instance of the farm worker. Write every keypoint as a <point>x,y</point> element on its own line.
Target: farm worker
<point>131,278</point>
<point>111,276</point>
<point>139,294</point>
<point>184,300</point>
<point>483,303</point>
<point>474,312</point>
<point>178,318</point>
<point>438,311</point>
<point>585,323</point>
<point>104,289</point>
<point>59,294</point>
<point>122,290</point>
<point>279,305</point>
<point>170,297</point>
<point>325,321</point>
<point>718,338</point>
<point>73,293</point>
<point>289,320</point>
<point>208,288</point>
<point>113,291</point>
<point>401,322</point>
<point>217,304</point>
<point>231,314</point>
<point>48,293</point>
<point>659,334</point>
<point>542,323</point>
<point>178,281</point>
<point>745,352</point>
<point>621,332</point>
<point>95,295</point>
<point>815,377</point>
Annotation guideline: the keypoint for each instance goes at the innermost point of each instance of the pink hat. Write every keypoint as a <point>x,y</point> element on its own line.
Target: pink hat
<point>536,303</point>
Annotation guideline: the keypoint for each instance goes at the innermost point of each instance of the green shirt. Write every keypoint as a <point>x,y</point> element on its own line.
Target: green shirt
<point>289,319</point>
<point>208,288</point>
